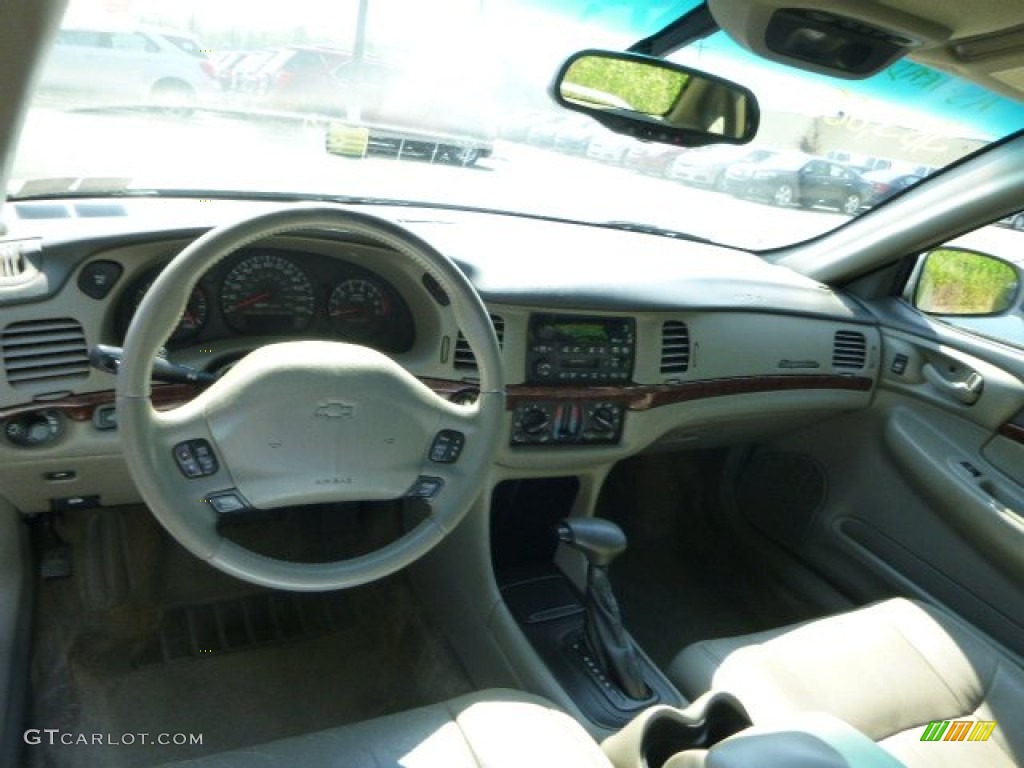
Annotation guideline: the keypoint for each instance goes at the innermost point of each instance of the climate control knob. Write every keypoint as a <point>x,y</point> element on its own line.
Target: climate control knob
<point>534,421</point>
<point>603,419</point>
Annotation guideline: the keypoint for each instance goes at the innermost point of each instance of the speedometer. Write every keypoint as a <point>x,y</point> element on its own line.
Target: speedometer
<point>267,293</point>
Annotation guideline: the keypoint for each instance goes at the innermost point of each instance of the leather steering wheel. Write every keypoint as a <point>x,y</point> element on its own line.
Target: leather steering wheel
<point>307,421</point>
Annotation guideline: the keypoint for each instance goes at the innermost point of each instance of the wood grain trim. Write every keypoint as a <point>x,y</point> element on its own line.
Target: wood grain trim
<point>1013,431</point>
<point>646,397</point>
<point>634,398</point>
<point>81,407</point>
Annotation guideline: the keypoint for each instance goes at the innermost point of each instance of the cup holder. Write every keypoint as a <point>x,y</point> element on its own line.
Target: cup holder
<point>660,732</point>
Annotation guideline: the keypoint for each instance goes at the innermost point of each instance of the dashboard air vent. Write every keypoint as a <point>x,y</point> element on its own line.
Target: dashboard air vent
<point>675,347</point>
<point>849,350</point>
<point>464,357</point>
<point>12,263</point>
<point>41,350</point>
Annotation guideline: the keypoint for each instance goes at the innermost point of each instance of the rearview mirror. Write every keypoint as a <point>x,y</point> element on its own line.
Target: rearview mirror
<point>955,281</point>
<point>655,100</point>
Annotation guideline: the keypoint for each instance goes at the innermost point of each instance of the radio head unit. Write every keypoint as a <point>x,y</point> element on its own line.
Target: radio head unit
<point>571,349</point>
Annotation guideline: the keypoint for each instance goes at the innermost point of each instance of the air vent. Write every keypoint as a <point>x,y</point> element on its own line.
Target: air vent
<point>44,350</point>
<point>675,347</point>
<point>13,263</point>
<point>464,357</point>
<point>849,350</point>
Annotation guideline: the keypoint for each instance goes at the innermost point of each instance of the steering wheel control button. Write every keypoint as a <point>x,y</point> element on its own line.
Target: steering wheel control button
<point>98,277</point>
<point>227,502</point>
<point>426,487</point>
<point>195,458</point>
<point>447,446</point>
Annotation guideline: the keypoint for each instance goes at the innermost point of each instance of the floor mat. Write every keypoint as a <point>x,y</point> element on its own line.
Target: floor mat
<point>207,629</point>
<point>166,648</point>
<point>681,579</point>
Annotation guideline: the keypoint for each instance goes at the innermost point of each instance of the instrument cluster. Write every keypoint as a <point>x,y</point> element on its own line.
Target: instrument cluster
<point>275,293</point>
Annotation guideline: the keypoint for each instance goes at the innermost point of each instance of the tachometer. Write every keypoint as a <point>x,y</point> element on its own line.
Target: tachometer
<point>359,309</point>
<point>192,319</point>
<point>267,293</point>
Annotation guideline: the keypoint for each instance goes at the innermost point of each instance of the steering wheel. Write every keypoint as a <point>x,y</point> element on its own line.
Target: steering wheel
<point>306,421</point>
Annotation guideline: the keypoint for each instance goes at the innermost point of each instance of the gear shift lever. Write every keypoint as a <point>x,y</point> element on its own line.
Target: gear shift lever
<point>601,541</point>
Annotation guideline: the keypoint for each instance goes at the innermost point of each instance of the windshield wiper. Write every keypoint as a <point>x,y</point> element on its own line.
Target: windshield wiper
<point>651,229</point>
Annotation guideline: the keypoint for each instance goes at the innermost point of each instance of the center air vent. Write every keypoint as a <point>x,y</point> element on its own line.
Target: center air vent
<point>849,350</point>
<point>464,357</point>
<point>44,350</point>
<point>675,347</point>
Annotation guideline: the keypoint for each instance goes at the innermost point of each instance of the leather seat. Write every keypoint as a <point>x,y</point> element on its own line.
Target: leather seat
<point>496,728</point>
<point>888,669</point>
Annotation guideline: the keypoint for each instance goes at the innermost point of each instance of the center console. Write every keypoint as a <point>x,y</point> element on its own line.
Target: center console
<point>565,351</point>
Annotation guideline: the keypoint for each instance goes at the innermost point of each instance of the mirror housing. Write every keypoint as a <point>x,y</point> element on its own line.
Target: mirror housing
<point>655,100</point>
<point>959,282</point>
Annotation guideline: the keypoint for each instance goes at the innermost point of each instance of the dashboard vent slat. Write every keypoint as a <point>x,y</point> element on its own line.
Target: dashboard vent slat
<point>675,347</point>
<point>849,350</point>
<point>464,359</point>
<point>38,350</point>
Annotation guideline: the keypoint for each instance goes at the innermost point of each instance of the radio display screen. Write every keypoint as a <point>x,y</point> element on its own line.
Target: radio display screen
<point>582,333</point>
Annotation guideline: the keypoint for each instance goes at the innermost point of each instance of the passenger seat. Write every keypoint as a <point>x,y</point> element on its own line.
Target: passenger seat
<point>889,670</point>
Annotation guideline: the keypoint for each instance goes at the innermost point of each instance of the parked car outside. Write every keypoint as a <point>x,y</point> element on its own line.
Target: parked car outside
<point>885,184</point>
<point>654,159</point>
<point>610,149</point>
<point>799,179</point>
<point>573,137</point>
<point>706,166</point>
<point>128,65</point>
<point>302,78</point>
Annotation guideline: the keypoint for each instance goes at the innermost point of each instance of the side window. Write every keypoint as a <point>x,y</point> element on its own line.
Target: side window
<point>83,38</point>
<point>976,283</point>
<point>838,173</point>
<point>132,41</point>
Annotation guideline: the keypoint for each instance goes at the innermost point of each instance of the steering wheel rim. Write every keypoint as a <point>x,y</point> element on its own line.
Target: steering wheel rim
<point>395,417</point>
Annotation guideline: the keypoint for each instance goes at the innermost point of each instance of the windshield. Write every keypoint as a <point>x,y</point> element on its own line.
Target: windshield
<point>447,103</point>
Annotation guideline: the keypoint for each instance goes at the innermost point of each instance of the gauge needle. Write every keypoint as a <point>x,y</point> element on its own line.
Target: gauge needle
<point>251,300</point>
<point>349,311</point>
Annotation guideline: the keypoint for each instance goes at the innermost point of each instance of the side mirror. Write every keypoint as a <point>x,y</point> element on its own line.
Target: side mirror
<point>954,281</point>
<point>655,100</point>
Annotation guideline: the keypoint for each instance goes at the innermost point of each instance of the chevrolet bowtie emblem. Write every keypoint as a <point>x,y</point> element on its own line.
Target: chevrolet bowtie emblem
<point>334,410</point>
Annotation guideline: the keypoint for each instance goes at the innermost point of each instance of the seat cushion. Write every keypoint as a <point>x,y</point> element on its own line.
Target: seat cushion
<point>887,669</point>
<point>496,728</point>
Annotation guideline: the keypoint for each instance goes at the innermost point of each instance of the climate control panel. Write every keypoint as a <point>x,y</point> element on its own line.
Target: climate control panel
<point>567,422</point>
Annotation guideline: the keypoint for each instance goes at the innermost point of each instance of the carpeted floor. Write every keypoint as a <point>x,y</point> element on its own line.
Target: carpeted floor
<point>681,578</point>
<point>146,639</point>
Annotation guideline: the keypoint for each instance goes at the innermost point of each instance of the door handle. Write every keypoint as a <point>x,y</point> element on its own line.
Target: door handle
<point>966,390</point>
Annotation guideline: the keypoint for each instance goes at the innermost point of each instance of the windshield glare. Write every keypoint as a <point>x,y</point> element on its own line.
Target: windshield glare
<point>447,102</point>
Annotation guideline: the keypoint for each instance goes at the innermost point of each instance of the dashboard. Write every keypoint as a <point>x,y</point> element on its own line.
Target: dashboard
<point>613,343</point>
